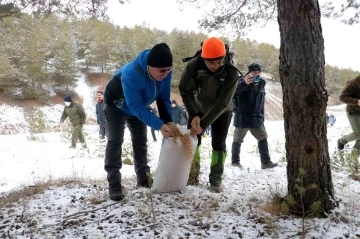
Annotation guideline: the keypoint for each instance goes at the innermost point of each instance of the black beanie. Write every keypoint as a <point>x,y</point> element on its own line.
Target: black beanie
<point>67,98</point>
<point>254,67</point>
<point>160,56</point>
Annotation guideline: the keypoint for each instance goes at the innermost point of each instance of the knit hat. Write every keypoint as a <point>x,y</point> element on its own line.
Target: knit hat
<point>160,56</point>
<point>67,98</point>
<point>213,49</point>
<point>254,67</point>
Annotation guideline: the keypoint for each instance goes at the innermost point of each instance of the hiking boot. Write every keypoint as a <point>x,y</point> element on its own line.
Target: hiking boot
<point>115,192</point>
<point>268,165</point>
<point>217,167</point>
<point>84,145</point>
<point>236,164</point>
<point>216,189</point>
<point>340,145</point>
<point>72,147</point>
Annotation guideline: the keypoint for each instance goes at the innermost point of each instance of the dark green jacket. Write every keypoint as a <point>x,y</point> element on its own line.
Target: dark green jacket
<point>350,95</point>
<point>76,114</point>
<point>207,93</point>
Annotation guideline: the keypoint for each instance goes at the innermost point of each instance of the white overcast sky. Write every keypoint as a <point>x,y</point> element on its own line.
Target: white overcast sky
<point>341,41</point>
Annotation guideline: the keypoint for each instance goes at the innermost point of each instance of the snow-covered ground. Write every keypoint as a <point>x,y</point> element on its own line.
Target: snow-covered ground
<point>80,208</point>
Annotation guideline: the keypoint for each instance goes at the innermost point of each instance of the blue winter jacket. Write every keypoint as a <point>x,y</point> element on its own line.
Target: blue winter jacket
<point>137,91</point>
<point>249,105</point>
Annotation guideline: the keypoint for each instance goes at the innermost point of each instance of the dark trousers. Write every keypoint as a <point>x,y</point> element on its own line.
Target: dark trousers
<point>103,131</point>
<point>116,120</point>
<point>219,131</point>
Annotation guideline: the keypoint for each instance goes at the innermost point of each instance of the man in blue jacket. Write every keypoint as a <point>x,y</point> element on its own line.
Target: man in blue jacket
<point>249,116</point>
<point>127,95</point>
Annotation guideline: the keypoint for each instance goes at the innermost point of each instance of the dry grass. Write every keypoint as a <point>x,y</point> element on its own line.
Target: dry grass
<point>26,192</point>
<point>98,79</point>
<point>272,208</point>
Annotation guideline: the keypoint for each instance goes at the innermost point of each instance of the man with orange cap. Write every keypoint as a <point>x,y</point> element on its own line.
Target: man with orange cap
<point>207,87</point>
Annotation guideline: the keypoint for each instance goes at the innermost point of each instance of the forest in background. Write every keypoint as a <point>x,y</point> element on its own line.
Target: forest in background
<point>41,57</point>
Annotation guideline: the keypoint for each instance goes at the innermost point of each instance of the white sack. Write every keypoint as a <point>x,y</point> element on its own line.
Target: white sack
<point>174,163</point>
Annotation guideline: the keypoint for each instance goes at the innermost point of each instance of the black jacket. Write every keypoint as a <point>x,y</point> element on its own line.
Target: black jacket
<point>249,104</point>
<point>100,117</point>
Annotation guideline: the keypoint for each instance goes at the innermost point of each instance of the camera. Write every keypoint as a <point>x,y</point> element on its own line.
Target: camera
<point>256,79</point>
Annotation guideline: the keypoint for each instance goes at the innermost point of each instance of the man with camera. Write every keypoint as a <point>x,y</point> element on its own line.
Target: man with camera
<point>249,115</point>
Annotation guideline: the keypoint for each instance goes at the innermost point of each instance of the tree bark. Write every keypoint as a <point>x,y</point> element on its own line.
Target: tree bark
<point>302,76</point>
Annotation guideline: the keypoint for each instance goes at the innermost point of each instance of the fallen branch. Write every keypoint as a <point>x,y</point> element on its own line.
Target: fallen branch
<point>88,211</point>
<point>72,216</point>
<point>5,225</point>
<point>104,218</point>
<point>139,228</point>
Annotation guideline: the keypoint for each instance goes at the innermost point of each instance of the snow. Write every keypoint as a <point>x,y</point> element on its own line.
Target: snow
<point>194,213</point>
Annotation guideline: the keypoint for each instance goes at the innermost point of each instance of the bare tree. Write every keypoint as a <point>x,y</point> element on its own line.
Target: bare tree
<point>302,77</point>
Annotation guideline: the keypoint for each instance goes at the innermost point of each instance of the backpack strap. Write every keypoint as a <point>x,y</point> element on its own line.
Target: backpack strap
<point>198,52</point>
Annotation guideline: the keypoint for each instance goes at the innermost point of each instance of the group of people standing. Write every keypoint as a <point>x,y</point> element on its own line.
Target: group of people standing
<point>209,86</point>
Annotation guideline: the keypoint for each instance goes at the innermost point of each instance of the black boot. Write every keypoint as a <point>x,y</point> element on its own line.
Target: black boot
<point>115,192</point>
<point>235,154</point>
<point>264,155</point>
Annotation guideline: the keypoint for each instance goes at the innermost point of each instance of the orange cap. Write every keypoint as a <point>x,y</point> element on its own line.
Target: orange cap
<point>213,48</point>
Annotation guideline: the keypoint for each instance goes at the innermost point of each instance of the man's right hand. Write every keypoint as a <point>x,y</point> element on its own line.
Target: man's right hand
<point>248,79</point>
<point>195,126</point>
<point>165,130</point>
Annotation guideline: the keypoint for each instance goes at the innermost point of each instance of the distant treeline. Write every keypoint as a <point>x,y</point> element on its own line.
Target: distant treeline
<point>40,56</point>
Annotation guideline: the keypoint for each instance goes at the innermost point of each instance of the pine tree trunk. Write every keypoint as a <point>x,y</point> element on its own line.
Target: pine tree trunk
<point>302,76</point>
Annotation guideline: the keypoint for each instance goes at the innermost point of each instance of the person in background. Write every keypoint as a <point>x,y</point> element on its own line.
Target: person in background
<point>331,119</point>
<point>134,87</point>
<point>178,113</point>
<point>154,111</point>
<point>350,95</point>
<point>184,120</point>
<point>207,86</point>
<point>249,116</point>
<point>76,114</point>
<point>100,118</point>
